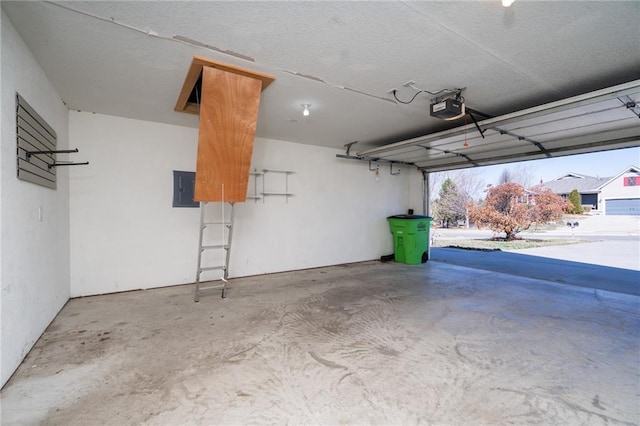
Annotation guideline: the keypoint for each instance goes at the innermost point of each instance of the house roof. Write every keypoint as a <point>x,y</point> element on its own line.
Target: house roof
<point>630,169</point>
<point>583,183</point>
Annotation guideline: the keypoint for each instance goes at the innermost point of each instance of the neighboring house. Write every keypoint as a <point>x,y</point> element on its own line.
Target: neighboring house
<point>587,186</point>
<point>618,195</point>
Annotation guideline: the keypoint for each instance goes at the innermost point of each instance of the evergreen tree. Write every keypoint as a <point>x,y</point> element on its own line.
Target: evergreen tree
<point>574,199</point>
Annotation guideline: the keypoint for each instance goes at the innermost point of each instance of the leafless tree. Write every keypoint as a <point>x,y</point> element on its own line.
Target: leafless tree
<point>468,183</point>
<point>505,177</point>
<point>522,174</point>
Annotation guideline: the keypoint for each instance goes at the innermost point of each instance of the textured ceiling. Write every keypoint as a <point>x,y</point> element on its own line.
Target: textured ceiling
<point>130,58</point>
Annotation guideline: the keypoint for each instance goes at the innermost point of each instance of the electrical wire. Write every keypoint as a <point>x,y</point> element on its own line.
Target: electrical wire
<point>423,91</point>
<point>403,102</point>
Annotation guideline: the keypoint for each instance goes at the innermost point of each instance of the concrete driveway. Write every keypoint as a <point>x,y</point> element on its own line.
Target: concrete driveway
<point>617,242</point>
<point>608,259</point>
<point>615,253</point>
<point>613,241</point>
<point>602,225</point>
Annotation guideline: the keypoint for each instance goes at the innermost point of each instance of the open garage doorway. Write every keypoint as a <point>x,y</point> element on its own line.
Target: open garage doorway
<point>603,238</point>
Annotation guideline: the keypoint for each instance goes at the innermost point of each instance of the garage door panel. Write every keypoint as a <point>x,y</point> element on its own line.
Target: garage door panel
<point>596,121</point>
<point>625,206</point>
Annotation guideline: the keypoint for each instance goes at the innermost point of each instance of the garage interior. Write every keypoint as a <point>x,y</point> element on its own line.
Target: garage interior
<point>99,324</point>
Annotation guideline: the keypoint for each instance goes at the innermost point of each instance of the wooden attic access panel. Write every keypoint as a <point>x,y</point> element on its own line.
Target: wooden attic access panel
<point>229,99</point>
<point>228,115</point>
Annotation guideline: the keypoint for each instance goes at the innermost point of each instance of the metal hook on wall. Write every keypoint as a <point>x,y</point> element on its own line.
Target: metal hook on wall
<point>66,163</point>
<point>59,151</point>
<point>391,170</point>
<point>50,166</point>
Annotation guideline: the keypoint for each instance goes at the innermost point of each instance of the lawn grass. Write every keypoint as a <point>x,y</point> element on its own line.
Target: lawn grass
<point>500,244</point>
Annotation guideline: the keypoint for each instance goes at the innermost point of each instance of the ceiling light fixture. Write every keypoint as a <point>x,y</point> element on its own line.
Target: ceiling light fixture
<point>507,3</point>
<point>305,111</point>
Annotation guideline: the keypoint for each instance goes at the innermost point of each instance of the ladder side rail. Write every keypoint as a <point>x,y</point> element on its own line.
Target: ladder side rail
<point>199,267</point>
<point>229,240</point>
<point>222,229</point>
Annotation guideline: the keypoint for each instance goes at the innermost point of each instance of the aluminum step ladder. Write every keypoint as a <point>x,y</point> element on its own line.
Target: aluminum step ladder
<point>226,235</point>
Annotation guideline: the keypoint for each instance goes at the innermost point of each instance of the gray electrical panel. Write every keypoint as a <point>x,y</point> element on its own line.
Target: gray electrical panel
<point>183,189</point>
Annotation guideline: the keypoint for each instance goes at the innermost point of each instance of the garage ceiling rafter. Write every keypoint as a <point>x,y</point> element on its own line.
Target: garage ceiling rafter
<point>600,120</point>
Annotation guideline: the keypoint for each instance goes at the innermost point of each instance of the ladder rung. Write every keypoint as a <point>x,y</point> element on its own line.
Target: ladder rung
<point>215,246</point>
<point>212,268</point>
<point>225,244</point>
<point>212,287</point>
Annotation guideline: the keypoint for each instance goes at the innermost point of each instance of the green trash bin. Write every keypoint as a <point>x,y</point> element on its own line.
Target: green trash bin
<point>410,238</point>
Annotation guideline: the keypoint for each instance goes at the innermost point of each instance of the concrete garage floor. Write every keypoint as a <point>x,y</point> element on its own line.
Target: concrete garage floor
<point>379,343</point>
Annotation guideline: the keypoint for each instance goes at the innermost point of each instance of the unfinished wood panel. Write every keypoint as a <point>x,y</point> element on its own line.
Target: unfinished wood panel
<point>193,75</point>
<point>228,115</point>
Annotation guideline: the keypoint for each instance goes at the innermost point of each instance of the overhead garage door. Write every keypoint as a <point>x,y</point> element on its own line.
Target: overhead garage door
<point>626,206</point>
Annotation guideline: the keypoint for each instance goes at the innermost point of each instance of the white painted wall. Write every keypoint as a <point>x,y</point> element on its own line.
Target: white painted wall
<point>34,254</point>
<point>125,234</point>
